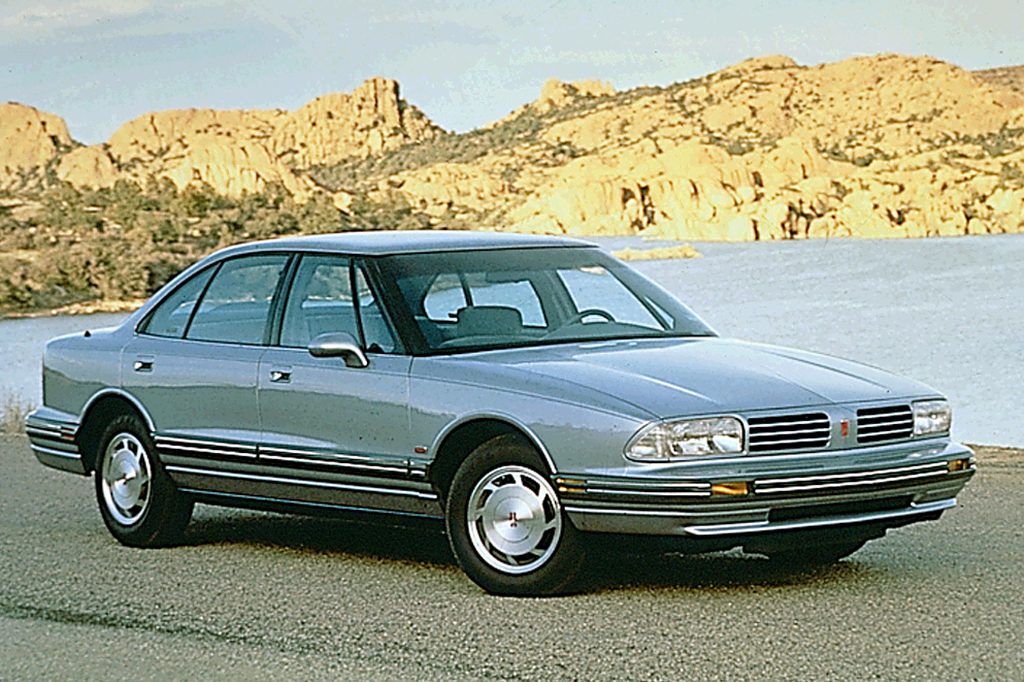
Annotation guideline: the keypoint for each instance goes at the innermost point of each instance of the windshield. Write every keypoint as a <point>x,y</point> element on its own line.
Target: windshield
<point>475,300</point>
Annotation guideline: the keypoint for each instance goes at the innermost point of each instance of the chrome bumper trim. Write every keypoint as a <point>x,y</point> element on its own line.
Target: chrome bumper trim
<point>765,526</point>
<point>55,453</point>
<point>61,460</point>
<point>726,529</point>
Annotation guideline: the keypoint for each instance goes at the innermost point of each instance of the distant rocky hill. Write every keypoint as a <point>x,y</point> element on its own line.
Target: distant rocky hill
<point>1011,77</point>
<point>232,151</point>
<point>883,146</point>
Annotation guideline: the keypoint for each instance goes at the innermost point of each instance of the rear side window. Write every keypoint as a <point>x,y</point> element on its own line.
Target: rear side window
<point>170,318</point>
<point>236,306</point>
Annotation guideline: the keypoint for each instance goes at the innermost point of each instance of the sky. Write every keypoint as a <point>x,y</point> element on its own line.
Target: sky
<point>99,63</point>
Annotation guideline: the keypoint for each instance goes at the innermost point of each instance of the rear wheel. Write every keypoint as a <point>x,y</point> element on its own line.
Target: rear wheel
<point>138,502</point>
<point>506,525</point>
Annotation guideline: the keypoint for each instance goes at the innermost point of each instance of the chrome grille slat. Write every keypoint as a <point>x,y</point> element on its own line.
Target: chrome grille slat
<point>779,433</point>
<point>786,423</point>
<point>792,435</point>
<point>882,419</point>
<point>886,423</point>
<point>855,480</point>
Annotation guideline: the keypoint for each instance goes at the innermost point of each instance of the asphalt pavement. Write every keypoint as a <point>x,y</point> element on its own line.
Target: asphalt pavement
<point>262,596</point>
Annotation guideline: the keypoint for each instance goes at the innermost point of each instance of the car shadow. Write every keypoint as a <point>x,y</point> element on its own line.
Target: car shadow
<point>423,541</point>
<point>418,540</point>
<point>611,571</point>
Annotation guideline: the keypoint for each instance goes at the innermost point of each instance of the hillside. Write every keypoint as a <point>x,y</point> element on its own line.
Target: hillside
<point>882,146</point>
<point>1011,77</point>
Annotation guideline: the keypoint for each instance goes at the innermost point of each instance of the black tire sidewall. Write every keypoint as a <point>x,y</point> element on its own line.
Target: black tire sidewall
<point>554,576</point>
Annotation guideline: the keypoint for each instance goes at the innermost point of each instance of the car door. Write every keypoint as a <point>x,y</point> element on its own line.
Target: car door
<point>335,434</point>
<point>194,362</point>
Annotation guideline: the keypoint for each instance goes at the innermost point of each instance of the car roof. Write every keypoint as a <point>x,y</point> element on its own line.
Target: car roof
<point>386,243</point>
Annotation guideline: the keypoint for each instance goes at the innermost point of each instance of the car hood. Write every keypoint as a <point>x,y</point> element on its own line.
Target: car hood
<point>674,377</point>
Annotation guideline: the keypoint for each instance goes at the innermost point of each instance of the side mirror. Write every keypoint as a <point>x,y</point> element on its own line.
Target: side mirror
<point>339,345</point>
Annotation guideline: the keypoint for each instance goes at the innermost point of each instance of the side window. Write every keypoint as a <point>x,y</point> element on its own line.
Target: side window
<point>376,333</point>
<point>236,305</point>
<point>320,301</point>
<point>445,298</point>
<point>170,318</point>
<point>594,288</point>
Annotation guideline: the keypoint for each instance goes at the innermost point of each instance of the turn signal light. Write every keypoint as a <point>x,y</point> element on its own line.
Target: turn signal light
<point>959,465</point>
<point>571,485</point>
<point>730,488</point>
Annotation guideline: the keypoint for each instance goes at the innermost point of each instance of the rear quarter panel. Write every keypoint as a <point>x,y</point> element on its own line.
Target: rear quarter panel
<point>76,367</point>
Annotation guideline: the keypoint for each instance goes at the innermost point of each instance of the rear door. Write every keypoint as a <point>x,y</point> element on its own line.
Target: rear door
<point>194,366</point>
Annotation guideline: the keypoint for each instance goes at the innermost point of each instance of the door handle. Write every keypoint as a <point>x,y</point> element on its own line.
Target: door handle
<point>280,376</point>
<point>143,365</point>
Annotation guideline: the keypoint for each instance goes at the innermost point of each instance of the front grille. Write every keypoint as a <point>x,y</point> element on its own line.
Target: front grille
<point>788,432</point>
<point>851,481</point>
<point>877,424</point>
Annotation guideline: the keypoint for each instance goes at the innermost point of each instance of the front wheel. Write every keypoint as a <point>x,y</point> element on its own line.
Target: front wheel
<point>137,499</point>
<point>506,525</point>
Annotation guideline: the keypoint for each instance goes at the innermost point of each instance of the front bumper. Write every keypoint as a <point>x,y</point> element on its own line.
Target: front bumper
<point>880,489</point>
<point>52,437</point>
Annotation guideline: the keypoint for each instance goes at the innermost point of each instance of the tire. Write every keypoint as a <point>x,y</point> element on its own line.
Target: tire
<point>506,525</point>
<point>815,556</point>
<point>138,502</point>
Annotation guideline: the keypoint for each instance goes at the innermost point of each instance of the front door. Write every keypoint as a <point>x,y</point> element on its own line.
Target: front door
<point>333,434</point>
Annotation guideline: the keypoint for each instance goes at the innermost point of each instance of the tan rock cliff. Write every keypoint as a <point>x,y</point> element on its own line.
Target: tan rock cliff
<point>29,140</point>
<point>238,151</point>
<point>883,146</point>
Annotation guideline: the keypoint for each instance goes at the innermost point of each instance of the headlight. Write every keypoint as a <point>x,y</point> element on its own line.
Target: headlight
<point>931,417</point>
<point>687,438</point>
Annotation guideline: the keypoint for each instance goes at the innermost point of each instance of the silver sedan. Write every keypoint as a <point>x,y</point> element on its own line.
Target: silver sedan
<point>534,392</point>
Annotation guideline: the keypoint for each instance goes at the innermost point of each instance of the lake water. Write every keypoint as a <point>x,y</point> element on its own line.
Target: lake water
<point>949,312</point>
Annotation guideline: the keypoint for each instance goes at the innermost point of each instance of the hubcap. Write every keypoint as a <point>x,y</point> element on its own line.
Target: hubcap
<point>126,478</point>
<point>514,519</point>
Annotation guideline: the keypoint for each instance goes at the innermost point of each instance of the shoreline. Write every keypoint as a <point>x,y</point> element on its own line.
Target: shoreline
<point>77,309</point>
<point>659,247</point>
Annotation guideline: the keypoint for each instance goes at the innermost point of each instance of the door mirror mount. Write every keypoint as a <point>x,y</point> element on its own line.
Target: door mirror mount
<point>339,345</point>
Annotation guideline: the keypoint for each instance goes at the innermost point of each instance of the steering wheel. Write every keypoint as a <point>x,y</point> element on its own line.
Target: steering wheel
<point>585,313</point>
<point>578,318</point>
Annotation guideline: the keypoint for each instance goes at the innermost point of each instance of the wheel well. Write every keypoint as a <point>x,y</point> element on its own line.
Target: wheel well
<point>463,440</point>
<point>95,421</point>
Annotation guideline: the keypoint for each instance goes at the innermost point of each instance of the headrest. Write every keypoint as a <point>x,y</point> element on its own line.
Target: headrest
<point>479,320</point>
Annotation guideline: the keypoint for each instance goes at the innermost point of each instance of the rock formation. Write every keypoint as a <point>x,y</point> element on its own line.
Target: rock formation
<point>238,151</point>
<point>29,141</point>
<point>883,146</point>
<point>1011,77</point>
<point>371,120</point>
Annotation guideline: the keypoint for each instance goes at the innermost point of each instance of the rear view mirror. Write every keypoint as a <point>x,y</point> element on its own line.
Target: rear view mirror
<point>339,345</point>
